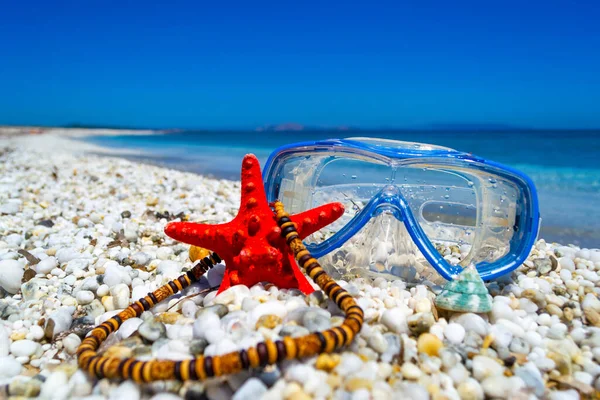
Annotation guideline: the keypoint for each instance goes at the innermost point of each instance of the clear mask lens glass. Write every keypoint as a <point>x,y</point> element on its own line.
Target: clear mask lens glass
<point>468,215</point>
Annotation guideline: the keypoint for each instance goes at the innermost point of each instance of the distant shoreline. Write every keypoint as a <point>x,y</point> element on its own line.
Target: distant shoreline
<point>6,131</point>
<point>83,131</point>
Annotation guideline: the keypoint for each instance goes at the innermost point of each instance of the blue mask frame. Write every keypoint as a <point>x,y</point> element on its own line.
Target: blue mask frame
<point>391,199</point>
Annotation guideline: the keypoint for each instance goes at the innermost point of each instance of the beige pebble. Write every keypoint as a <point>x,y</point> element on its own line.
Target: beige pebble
<point>16,335</point>
<point>268,321</point>
<point>411,371</point>
<point>168,317</point>
<point>358,383</point>
<point>553,309</point>
<point>327,362</point>
<point>108,303</point>
<point>423,305</point>
<point>429,344</point>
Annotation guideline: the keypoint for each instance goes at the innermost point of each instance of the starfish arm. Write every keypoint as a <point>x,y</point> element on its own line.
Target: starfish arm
<point>303,284</point>
<point>225,283</point>
<point>252,187</point>
<point>310,221</point>
<point>214,237</point>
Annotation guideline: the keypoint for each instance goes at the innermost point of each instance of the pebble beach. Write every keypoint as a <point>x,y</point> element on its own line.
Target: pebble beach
<point>81,237</point>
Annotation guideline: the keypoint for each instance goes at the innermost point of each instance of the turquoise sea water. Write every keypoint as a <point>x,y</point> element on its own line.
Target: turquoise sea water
<point>565,165</point>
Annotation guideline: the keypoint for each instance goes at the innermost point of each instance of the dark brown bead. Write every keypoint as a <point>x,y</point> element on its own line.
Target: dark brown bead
<point>291,238</point>
<point>182,281</point>
<point>99,367</point>
<point>153,297</point>
<point>317,275</point>
<point>336,339</point>
<point>312,266</point>
<point>323,341</point>
<point>120,371</point>
<point>216,258</point>
<point>191,276</point>
<point>208,366</point>
<point>341,296</point>
<point>244,359</point>
<point>354,309</point>
<point>344,335</point>
<point>192,370</point>
<point>173,286</point>
<point>304,259</point>
<point>178,370</point>
<point>145,304</point>
<point>137,309</point>
<point>208,262</point>
<point>130,368</point>
<point>281,352</point>
<point>105,329</point>
<point>283,220</point>
<point>263,354</point>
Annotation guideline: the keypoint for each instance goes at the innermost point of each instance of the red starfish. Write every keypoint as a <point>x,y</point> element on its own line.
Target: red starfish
<point>251,245</point>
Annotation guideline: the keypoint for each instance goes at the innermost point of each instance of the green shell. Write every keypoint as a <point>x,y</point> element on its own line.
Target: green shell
<point>466,293</point>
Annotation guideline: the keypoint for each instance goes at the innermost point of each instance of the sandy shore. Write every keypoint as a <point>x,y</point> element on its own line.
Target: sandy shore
<point>90,232</point>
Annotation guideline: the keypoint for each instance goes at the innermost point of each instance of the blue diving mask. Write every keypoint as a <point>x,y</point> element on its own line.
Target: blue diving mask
<point>409,207</point>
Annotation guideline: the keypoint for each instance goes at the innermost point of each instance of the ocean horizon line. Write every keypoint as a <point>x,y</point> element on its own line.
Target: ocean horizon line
<point>286,128</point>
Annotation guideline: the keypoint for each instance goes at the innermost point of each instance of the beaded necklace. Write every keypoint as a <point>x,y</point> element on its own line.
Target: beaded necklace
<point>203,367</point>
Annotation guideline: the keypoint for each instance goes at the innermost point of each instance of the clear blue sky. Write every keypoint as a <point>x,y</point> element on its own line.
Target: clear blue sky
<point>225,64</point>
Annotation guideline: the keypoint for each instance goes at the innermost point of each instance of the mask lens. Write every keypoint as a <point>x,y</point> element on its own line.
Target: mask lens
<point>467,214</point>
<point>468,217</point>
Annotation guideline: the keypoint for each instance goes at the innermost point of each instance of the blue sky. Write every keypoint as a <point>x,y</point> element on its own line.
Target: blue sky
<point>247,64</point>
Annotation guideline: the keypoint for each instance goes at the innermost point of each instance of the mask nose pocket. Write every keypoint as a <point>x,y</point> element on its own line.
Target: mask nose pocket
<point>381,247</point>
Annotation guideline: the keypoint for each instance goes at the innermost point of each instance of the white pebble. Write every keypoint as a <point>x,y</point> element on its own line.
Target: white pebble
<point>205,322</point>
<point>46,265</point>
<point>9,367</point>
<point>10,207</point>
<point>411,371</point>
<point>567,263</point>
<point>502,336</point>
<point>71,343</point>
<point>62,319</point>
<point>471,322</point>
<point>4,342</point>
<point>455,333</point>
<point>499,386</point>
<point>470,389</point>
<point>129,327</point>
<point>253,388</point>
<point>84,297</point>
<point>11,273</point>
<point>164,253</point>
<point>103,290</point>
<point>484,367</point>
<point>120,294</point>
<point>24,348</point>
<point>571,394</point>
<point>36,331</point>
<point>126,390</point>
<point>188,309</point>
<point>54,386</point>
<point>395,320</point>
